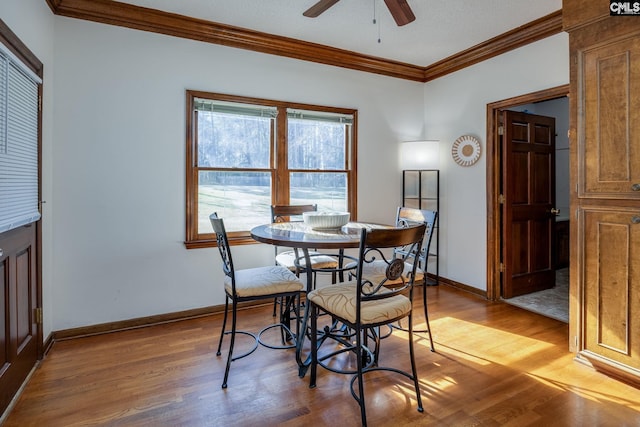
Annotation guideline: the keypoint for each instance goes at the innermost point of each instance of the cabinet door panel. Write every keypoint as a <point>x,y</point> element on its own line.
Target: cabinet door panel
<point>609,164</point>
<point>612,284</point>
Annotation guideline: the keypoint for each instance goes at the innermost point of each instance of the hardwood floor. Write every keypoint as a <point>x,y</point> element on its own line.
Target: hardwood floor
<point>494,365</point>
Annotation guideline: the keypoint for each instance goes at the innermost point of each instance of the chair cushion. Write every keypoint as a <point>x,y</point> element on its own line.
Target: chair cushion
<point>375,271</point>
<point>340,300</point>
<point>259,281</point>
<point>287,259</point>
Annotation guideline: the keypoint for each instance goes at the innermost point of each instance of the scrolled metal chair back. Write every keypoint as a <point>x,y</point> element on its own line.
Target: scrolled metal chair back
<point>223,244</point>
<point>407,217</point>
<point>372,247</point>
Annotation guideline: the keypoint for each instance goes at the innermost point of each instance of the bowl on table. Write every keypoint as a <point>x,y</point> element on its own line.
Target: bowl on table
<point>325,220</point>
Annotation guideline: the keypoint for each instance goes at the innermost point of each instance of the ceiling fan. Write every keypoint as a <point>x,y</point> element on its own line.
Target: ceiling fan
<point>399,9</point>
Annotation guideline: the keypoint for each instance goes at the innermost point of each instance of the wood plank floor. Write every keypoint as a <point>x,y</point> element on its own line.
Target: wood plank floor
<point>494,365</point>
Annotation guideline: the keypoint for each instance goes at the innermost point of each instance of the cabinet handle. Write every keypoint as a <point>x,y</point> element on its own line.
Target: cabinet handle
<point>635,187</point>
<point>1,252</point>
<point>635,219</point>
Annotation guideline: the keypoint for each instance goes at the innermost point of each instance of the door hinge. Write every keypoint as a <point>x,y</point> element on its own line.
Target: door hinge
<point>501,199</point>
<point>501,268</point>
<point>38,314</point>
<point>500,130</point>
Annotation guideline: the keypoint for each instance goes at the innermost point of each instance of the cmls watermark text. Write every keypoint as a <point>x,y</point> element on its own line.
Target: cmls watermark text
<point>624,8</point>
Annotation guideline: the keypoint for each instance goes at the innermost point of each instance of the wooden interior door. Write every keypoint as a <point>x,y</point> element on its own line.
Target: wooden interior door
<point>19,326</point>
<point>528,178</point>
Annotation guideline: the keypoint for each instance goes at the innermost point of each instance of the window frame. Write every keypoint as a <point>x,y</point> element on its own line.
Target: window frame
<point>278,166</point>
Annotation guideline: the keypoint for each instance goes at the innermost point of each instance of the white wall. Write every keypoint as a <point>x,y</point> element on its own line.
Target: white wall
<point>455,105</point>
<point>114,145</point>
<point>119,184</point>
<point>33,22</point>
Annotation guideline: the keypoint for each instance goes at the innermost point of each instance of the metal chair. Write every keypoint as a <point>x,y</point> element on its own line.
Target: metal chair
<point>364,305</point>
<point>375,270</point>
<point>254,284</point>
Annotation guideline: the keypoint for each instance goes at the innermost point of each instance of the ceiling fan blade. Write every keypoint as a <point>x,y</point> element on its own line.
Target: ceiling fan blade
<point>400,11</point>
<point>315,10</point>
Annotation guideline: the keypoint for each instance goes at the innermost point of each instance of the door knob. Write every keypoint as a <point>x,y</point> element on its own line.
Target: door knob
<point>555,211</point>
<point>635,219</point>
<point>635,187</point>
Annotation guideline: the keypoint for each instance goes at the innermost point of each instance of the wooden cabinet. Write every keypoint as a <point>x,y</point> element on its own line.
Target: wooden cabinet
<point>610,139</point>
<point>576,13</point>
<point>421,190</point>
<point>612,285</point>
<point>605,198</point>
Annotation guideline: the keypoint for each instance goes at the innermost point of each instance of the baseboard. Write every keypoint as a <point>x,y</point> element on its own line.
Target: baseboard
<point>462,287</point>
<point>141,322</point>
<point>609,367</point>
<point>46,345</point>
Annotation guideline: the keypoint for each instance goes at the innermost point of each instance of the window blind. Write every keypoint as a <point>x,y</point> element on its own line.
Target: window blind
<point>234,108</point>
<point>18,143</point>
<point>320,116</point>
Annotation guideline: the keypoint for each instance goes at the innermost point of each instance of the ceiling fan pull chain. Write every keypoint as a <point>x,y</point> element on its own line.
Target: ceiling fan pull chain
<point>374,19</point>
<point>374,12</point>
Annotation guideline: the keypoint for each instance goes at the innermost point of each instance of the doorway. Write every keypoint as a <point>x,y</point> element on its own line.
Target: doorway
<point>538,102</point>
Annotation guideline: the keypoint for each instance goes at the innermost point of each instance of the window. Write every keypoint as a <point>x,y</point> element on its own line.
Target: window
<point>245,154</point>
<point>19,156</point>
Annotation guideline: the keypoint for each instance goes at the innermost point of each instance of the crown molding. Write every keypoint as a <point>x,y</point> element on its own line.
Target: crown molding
<point>141,18</point>
<point>531,32</point>
<point>146,19</point>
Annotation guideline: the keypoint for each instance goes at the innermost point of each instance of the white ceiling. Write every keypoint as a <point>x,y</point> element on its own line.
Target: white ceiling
<point>441,29</point>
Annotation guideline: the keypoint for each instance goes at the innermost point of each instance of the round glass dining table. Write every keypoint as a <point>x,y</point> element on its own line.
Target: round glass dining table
<point>301,236</point>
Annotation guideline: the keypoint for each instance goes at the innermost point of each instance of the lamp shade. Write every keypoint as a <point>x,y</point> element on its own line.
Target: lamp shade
<point>419,155</point>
